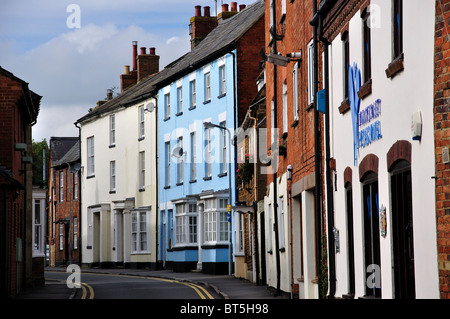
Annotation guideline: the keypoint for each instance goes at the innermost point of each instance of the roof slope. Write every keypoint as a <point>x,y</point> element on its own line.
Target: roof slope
<point>220,40</point>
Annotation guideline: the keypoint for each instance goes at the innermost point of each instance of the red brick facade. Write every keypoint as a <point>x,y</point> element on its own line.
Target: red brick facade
<point>18,111</point>
<point>442,140</point>
<point>68,204</point>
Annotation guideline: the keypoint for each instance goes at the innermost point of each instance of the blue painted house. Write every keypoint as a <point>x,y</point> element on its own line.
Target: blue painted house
<point>199,108</point>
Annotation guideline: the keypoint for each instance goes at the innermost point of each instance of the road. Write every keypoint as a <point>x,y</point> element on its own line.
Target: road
<point>107,286</point>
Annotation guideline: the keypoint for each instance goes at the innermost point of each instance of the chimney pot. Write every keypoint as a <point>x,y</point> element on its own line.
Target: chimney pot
<point>134,55</point>
<point>206,11</point>
<point>152,51</point>
<point>198,12</point>
<point>233,6</point>
<point>109,94</point>
<point>143,50</point>
<point>224,7</point>
<point>241,7</point>
<point>126,69</point>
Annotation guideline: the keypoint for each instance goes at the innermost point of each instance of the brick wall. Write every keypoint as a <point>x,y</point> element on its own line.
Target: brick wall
<point>63,209</point>
<point>442,139</point>
<point>248,58</point>
<point>12,130</point>
<point>299,140</point>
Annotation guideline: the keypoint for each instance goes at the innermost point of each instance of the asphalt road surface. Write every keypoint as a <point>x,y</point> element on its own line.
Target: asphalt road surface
<point>106,286</point>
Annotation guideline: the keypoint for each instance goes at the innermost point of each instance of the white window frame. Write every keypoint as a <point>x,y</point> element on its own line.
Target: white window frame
<point>75,185</point>
<point>239,249</point>
<point>281,222</point>
<point>193,154</point>
<point>295,90</point>
<point>167,158</point>
<point>38,227</point>
<point>207,77</point>
<point>140,232</point>
<point>75,233</point>
<point>208,151</point>
<point>224,147</point>
<point>310,72</point>
<point>167,106</point>
<point>61,186</point>
<point>270,227</point>
<point>112,176</point>
<point>90,156</point>
<point>112,130</point>
<point>142,170</point>
<point>193,94</point>
<point>186,223</point>
<point>285,113</point>
<point>222,80</point>
<point>61,236</point>
<point>179,99</point>
<point>180,163</point>
<point>141,112</point>
<point>215,221</point>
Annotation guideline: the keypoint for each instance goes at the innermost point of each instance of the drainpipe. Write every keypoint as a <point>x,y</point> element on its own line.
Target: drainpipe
<point>80,180</point>
<point>317,158</point>
<point>275,201</point>
<point>317,22</point>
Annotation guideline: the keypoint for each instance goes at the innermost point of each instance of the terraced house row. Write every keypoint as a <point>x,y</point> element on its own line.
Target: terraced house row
<point>301,145</point>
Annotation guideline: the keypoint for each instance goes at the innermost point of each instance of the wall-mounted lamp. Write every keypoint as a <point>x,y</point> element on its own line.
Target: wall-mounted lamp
<point>289,172</point>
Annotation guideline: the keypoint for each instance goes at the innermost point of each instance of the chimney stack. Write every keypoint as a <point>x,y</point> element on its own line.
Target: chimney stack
<point>200,26</point>
<point>129,78</point>
<point>225,14</point>
<point>148,64</point>
<point>109,94</point>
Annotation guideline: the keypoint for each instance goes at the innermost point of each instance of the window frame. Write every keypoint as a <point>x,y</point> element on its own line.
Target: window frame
<point>138,219</point>
<point>193,155</point>
<point>90,156</point>
<point>192,94</point>
<point>141,112</point>
<point>295,90</point>
<point>397,28</point>
<point>367,47</point>
<point>311,53</point>
<point>215,217</point>
<point>207,78</point>
<point>167,106</point>
<point>186,220</point>
<point>142,170</point>
<point>167,159</point>
<point>180,99</point>
<point>112,130</point>
<point>61,186</point>
<point>180,162</point>
<point>222,81</point>
<point>112,176</point>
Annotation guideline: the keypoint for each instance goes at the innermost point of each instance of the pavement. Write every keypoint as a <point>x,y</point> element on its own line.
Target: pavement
<point>228,287</point>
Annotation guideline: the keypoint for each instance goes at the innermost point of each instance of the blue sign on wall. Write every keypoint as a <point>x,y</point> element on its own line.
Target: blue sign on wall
<point>367,135</point>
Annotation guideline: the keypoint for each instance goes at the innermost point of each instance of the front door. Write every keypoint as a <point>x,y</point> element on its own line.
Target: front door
<point>402,231</point>
<point>372,236</point>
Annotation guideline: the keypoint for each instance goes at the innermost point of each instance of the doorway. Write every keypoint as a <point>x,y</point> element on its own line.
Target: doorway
<point>371,235</point>
<point>402,231</point>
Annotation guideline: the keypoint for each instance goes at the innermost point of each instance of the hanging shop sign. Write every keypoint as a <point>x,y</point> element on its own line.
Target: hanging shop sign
<point>365,123</point>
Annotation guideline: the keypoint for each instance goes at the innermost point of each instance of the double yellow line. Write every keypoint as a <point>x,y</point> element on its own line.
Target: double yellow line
<point>202,292</point>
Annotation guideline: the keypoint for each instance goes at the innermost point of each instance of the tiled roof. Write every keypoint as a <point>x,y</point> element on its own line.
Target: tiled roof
<point>220,40</point>
<point>59,146</point>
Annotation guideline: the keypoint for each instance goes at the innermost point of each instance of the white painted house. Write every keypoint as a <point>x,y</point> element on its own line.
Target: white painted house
<point>384,191</point>
<point>119,181</point>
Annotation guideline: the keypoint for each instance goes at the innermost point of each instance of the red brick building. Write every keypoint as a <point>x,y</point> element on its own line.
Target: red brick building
<point>291,206</point>
<point>65,195</point>
<point>442,141</point>
<point>19,108</point>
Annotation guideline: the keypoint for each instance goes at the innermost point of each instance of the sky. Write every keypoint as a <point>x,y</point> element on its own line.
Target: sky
<point>71,51</point>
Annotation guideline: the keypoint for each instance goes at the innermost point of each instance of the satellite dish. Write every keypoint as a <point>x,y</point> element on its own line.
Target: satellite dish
<point>177,152</point>
<point>150,107</point>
